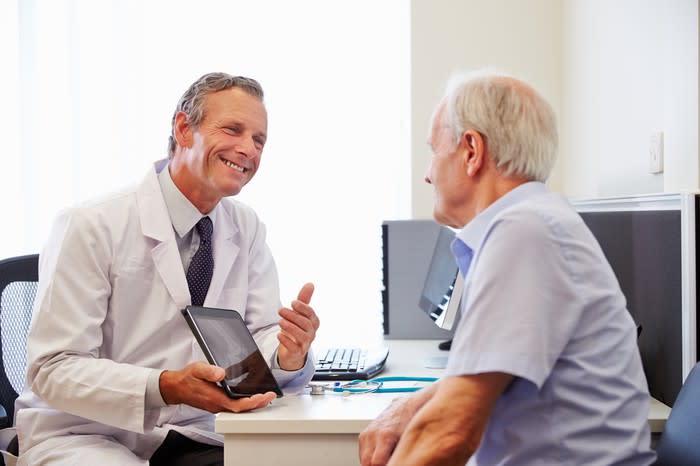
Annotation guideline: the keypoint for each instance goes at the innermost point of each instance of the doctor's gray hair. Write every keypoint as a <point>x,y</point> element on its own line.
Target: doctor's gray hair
<point>192,101</point>
<point>517,123</point>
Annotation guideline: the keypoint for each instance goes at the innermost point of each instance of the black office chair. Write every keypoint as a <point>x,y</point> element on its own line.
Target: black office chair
<point>679,444</point>
<point>18,284</point>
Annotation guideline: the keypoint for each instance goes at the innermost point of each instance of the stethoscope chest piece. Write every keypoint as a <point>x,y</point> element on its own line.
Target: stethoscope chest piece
<point>317,389</point>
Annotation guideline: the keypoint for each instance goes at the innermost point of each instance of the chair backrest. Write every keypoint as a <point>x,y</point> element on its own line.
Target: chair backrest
<point>679,444</point>
<point>18,284</point>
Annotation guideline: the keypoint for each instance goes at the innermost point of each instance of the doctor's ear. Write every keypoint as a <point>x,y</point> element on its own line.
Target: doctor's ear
<point>474,151</point>
<point>182,130</point>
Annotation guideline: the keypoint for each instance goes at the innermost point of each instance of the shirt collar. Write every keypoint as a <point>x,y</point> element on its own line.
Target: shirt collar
<point>473,232</point>
<point>183,214</point>
<point>463,254</point>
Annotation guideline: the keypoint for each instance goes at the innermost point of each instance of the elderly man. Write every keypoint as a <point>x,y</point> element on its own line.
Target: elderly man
<point>544,366</point>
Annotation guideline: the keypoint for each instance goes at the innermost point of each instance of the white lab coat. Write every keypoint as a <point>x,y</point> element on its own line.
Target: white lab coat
<point>107,314</point>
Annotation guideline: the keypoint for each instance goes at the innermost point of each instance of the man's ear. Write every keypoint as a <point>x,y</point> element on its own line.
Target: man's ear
<point>183,130</point>
<point>474,151</point>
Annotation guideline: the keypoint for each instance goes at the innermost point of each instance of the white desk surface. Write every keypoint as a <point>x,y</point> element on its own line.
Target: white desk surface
<point>331,422</point>
<point>658,413</point>
<point>334,412</point>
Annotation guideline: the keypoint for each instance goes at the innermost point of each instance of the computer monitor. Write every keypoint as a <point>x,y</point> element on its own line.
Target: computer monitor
<point>443,286</point>
<point>650,242</point>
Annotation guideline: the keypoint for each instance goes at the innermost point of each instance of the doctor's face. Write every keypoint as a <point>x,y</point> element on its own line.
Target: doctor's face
<point>223,153</point>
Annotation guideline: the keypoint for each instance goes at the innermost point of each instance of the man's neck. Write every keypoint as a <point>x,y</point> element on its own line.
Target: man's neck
<point>490,190</point>
<point>201,199</point>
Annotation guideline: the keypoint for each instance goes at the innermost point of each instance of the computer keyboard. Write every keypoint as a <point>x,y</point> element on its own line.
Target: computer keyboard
<point>349,363</point>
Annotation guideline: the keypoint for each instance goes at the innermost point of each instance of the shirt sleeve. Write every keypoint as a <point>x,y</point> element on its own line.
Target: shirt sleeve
<point>294,381</point>
<point>154,399</point>
<point>520,303</point>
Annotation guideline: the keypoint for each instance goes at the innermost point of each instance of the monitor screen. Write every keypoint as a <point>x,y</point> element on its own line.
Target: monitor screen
<point>649,242</point>
<point>442,289</point>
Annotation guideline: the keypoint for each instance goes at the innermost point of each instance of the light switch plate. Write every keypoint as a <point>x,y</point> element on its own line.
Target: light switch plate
<point>656,153</point>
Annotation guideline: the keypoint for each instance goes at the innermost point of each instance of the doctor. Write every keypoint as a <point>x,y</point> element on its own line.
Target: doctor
<point>114,375</point>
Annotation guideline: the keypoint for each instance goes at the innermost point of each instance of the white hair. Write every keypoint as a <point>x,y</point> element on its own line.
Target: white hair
<point>517,123</point>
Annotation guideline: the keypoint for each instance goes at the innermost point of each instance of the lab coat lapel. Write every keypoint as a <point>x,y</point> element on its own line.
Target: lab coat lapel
<point>156,224</point>
<point>225,253</point>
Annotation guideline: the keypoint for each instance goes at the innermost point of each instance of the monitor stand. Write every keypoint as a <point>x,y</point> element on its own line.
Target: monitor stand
<point>439,362</point>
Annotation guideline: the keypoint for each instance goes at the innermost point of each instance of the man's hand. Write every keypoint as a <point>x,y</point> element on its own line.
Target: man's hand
<point>299,326</point>
<point>378,440</point>
<point>196,385</point>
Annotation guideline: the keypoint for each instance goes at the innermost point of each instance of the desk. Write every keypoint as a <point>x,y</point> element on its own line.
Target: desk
<point>308,430</point>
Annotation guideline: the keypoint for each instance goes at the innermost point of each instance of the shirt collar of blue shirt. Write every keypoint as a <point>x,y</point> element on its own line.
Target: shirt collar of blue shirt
<point>469,239</point>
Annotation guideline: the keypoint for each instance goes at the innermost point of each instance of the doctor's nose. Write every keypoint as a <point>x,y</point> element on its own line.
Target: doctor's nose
<point>248,148</point>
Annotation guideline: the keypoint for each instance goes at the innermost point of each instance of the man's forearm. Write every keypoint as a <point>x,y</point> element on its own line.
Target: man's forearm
<point>378,440</point>
<point>436,436</point>
<point>448,428</point>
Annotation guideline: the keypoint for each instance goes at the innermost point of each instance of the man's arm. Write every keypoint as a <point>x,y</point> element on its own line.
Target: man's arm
<point>448,428</point>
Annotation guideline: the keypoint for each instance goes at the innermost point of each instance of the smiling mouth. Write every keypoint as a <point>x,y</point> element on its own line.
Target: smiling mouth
<point>234,166</point>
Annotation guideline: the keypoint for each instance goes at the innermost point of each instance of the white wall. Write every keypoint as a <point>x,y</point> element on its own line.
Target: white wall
<point>615,71</point>
<point>522,38</point>
<point>630,68</point>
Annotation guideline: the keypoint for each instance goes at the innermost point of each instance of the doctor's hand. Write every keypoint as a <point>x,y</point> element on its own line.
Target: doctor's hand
<point>299,326</point>
<point>196,385</point>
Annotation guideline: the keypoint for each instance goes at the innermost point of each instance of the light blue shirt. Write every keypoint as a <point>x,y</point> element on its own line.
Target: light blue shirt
<point>542,303</point>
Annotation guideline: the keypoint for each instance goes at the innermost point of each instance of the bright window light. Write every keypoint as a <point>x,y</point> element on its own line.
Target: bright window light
<point>96,83</point>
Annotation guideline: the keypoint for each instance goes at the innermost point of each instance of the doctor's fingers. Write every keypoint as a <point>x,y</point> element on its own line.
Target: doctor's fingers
<point>196,392</point>
<point>205,371</point>
<point>209,396</point>
<point>300,329</point>
<point>305,321</point>
<point>190,384</point>
<point>259,400</point>
<point>307,311</point>
<point>294,347</point>
<point>306,292</point>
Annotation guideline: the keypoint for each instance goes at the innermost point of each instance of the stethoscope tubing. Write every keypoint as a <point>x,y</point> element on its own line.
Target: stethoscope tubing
<point>375,385</point>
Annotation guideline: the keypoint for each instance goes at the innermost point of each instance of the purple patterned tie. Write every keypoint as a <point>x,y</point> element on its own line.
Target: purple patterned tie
<point>202,266</point>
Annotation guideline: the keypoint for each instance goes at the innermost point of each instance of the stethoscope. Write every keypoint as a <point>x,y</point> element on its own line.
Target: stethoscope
<point>375,385</point>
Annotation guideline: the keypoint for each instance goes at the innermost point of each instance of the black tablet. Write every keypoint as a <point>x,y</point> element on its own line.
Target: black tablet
<point>227,343</point>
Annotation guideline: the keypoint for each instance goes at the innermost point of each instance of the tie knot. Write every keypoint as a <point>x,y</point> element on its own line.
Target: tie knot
<point>204,228</point>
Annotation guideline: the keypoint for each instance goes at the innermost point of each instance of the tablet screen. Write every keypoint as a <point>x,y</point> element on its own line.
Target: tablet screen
<point>227,343</point>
